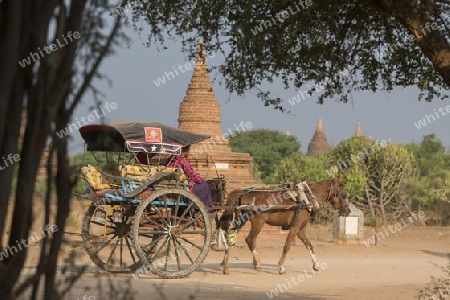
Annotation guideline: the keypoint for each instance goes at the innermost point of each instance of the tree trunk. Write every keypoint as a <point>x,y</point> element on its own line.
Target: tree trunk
<point>369,199</point>
<point>11,11</point>
<point>416,19</point>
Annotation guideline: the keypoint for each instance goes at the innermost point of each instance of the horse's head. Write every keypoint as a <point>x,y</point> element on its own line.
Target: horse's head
<point>338,197</point>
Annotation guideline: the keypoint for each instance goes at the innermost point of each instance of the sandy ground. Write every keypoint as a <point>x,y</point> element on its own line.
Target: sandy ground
<point>396,268</point>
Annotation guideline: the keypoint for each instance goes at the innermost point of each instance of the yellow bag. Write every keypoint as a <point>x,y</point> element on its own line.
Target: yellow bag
<point>220,241</point>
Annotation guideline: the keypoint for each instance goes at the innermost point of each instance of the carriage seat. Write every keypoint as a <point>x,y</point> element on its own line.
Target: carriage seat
<point>98,181</point>
<point>143,172</point>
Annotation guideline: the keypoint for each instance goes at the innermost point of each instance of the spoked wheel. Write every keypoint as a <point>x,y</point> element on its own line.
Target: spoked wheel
<point>107,238</point>
<point>171,232</point>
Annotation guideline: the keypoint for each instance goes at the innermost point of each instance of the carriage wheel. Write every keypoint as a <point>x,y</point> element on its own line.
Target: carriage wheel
<point>171,232</point>
<point>107,238</point>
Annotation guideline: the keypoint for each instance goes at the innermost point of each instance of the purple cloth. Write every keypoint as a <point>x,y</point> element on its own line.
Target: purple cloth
<point>179,161</point>
<point>202,191</point>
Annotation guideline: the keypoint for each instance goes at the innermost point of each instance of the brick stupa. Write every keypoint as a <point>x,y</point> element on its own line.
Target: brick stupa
<point>200,113</point>
<point>318,144</point>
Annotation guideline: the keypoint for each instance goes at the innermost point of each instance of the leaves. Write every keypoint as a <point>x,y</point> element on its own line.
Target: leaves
<point>268,148</point>
<point>369,42</point>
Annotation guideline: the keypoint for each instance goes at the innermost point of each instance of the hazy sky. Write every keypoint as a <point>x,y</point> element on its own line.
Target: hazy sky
<point>133,72</point>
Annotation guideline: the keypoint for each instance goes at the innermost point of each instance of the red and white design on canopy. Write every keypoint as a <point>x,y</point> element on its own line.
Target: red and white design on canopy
<point>153,135</point>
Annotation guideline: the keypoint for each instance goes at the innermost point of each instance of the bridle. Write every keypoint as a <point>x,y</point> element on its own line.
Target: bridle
<point>338,195</point>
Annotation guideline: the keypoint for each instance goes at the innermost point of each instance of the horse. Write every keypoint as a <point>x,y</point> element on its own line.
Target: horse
<point>329,189</point>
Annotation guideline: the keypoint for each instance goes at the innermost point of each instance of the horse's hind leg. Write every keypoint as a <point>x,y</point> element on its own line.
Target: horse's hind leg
<point>302,236</point>
<point>289,239</point>
<point>251,241</point>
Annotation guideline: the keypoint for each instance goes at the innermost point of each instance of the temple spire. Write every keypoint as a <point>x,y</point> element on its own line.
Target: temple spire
<point>358,129</point>
<point>200,56</point>
<point>199,110</point>
<point>318,144</point>
<point>319,126</point>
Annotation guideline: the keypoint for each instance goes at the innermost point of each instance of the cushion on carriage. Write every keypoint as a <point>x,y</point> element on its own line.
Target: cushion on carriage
<point>96,180</point>
<point>143,172</point>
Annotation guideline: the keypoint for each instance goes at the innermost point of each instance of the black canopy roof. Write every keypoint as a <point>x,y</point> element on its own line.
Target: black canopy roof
<point>150,137</point>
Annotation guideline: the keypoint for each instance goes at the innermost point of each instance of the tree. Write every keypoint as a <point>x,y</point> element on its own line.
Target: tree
<point>297,167</point>
<point>375,174</point>
<point>433,183</point>
<point>48,84</point>
<point>345,163</point>
<point>268,148</point>
<point>387,171</point>
<point>430,154</point>
<point>338,46</point>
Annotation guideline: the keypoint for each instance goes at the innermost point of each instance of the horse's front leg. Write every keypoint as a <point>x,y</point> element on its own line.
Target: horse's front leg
<point>289,239</point>
<point>302,236</point>
<point>224,262</point>
<point>256,225</point>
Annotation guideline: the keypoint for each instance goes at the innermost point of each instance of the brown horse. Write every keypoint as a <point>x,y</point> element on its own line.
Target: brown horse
<point>328,189</point>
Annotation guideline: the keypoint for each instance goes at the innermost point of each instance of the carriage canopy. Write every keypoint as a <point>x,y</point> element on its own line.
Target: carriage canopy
<point>150,137</point>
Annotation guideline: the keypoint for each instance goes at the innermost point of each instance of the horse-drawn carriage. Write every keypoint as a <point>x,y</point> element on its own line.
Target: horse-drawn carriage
<point>144,215</point>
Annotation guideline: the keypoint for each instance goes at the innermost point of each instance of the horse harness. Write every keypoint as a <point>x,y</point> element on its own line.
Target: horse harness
<point>338,195</point>
<point>311,208</point>
<point>303,196</point>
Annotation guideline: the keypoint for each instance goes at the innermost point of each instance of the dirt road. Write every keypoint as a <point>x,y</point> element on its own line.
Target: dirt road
<point>395,269</point>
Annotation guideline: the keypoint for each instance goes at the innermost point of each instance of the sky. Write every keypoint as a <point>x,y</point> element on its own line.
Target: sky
<point>134,69</point>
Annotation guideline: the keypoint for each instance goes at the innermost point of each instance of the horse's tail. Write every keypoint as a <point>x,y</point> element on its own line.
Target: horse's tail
<point>226,219</point>
<point>239,220</point>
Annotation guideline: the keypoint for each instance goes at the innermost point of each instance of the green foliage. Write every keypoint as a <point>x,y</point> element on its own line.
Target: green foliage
<point>102,158</point>
<point>81,187</point>
<point>40,188</point>
<point>349,147</point>
<point>346,161</point>
<point>343,45</point>
<point>335,164</point>
<point>433,183</point>
<point>268,148</point>
<point>109,161</point>
<point>373,221</point>
<point>354,182</point>
<point>72,220</point>
<point>391,178</point>
<point>430,154</point>
<point>297,168</point>
<point>439,287</point>
<point>387,171</point>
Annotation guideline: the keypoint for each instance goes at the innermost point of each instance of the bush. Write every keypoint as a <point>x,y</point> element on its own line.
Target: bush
<point>372,222</point>
<point>41,186</point>
<point>438,288</point>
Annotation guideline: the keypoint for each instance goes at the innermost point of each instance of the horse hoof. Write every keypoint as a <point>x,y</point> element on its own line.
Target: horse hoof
<point>281,271</point>
<point>316,268</point>
<point>226,272</point>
